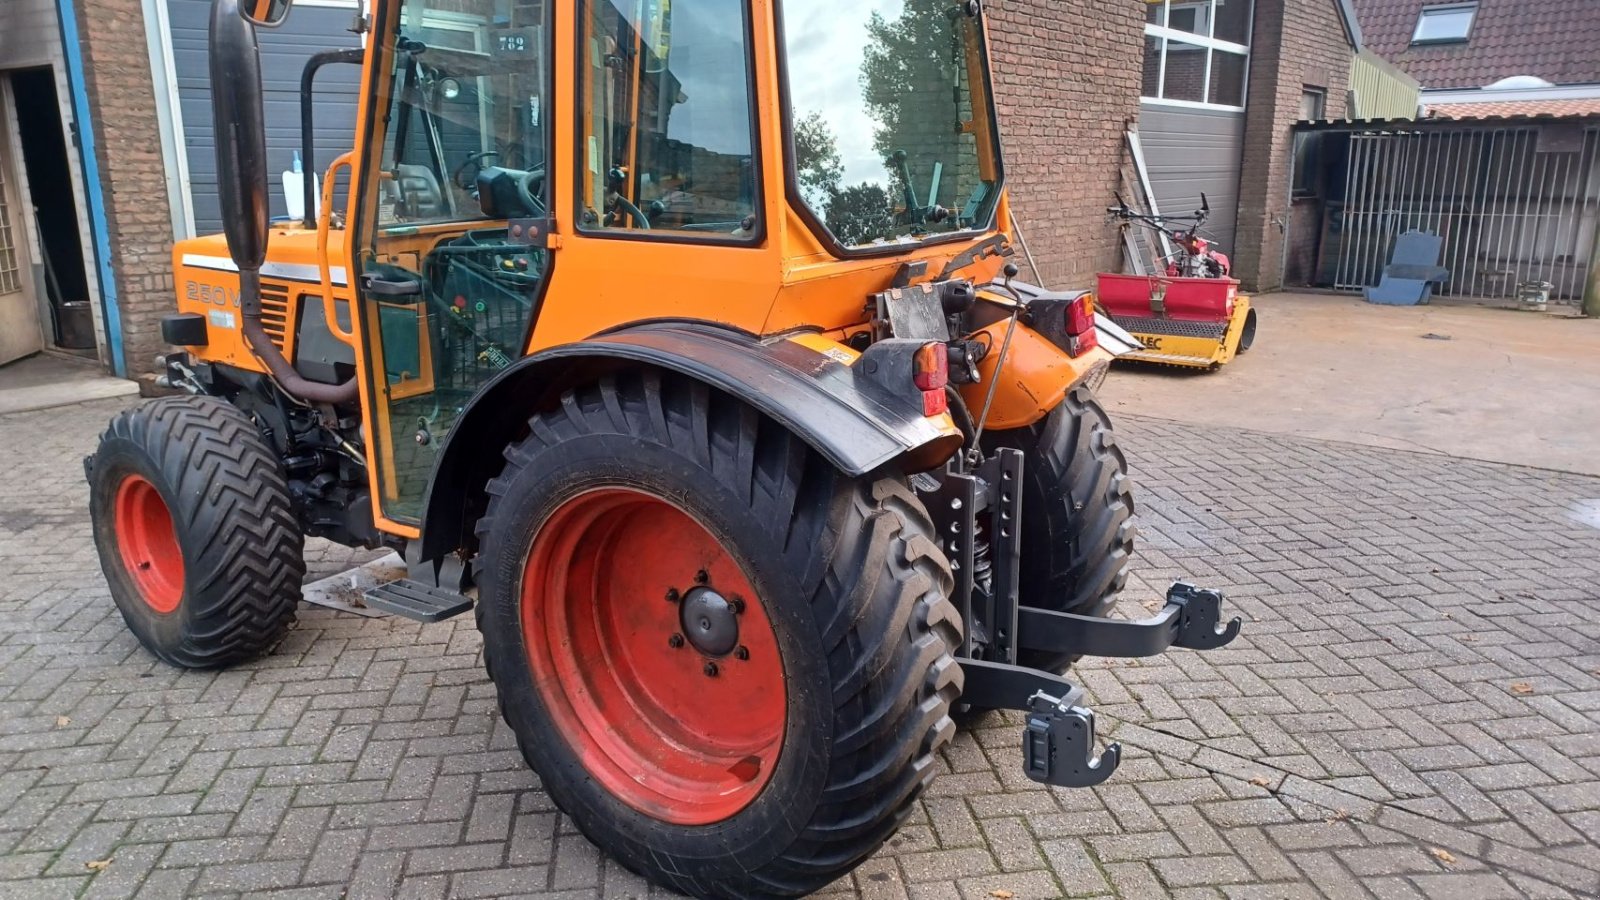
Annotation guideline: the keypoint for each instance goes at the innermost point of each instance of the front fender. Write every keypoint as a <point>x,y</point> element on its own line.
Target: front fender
<point>825,396</point>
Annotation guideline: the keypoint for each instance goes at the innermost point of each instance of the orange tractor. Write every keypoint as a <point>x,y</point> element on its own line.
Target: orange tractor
<point>679,340</point>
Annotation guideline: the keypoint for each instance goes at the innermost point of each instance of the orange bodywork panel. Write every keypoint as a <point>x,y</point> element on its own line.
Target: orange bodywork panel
<point>1034,379</point>
<point>784,281</point>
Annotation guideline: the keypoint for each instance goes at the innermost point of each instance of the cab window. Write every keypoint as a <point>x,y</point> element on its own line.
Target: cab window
<point>667,130</point>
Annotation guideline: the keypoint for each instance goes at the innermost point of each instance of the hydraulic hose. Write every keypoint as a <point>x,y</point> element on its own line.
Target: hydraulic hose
<point>260,343</point>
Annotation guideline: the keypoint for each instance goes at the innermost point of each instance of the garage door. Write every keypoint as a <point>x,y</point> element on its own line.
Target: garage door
<point>1190,151</point>
<point>284,51</point>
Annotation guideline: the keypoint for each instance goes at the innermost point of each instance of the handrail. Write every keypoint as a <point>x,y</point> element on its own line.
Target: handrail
<point>330,309</point>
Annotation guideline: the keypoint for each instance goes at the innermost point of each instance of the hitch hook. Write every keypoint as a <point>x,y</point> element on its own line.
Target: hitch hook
<point>1058,745</point>
<point>1202,614</point>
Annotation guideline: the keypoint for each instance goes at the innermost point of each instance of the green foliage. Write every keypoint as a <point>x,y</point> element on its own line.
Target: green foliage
<point>860,214</point>
<point>912,60</point>
<point>817,162</point>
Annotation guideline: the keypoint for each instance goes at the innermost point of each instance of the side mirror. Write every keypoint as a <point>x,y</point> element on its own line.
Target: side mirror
<point>267,13</point>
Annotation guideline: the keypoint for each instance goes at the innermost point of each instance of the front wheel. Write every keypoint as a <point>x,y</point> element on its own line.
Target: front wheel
<point>729,664</point>
<point>199,543</point>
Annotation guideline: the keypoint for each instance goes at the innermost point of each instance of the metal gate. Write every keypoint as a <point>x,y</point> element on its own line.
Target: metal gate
<point>1513,204</point>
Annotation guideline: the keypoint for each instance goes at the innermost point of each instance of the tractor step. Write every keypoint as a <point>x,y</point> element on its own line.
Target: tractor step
<point>415,600</point>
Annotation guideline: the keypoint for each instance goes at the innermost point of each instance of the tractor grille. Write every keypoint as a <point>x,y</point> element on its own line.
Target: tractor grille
<point>1173,327</point>
<point>275,317</point>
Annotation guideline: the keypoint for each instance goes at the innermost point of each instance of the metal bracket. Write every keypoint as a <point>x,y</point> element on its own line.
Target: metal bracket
<point>1058,745</point>
<point>1190,620</point>
<point>1202,614</point>
<point>995,685</point>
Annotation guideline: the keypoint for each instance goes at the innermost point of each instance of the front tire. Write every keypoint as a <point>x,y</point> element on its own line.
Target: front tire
<point>728,663</point>
<point>1077,514</point>
<point>195,531</point>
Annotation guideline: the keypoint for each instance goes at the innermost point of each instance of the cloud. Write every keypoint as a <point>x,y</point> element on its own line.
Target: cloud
<point>826,44</point>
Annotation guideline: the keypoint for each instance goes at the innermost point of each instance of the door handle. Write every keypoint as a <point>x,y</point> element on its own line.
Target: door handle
<point>386,287</point>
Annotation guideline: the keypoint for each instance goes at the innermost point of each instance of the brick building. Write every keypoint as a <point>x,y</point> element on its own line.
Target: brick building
<point>1212,87</point>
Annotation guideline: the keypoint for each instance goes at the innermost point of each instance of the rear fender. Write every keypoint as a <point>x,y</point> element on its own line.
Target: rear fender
<point>843,404</point>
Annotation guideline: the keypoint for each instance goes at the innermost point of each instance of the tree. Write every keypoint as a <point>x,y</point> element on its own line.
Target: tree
<point>860,214</point>
<point>816,160</point>
<point>908,72</point>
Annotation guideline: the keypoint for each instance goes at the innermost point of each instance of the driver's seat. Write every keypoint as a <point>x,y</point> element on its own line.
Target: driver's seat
<point>420,195</point>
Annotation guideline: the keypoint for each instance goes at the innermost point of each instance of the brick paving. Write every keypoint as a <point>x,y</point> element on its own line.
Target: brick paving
<point>1411,712</point>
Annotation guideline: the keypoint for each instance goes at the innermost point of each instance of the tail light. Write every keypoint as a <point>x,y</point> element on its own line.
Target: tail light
<point>931,373</point>
<point>1081,335</point>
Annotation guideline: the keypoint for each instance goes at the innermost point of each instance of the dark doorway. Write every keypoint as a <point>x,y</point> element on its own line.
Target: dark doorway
<point>44,157</point>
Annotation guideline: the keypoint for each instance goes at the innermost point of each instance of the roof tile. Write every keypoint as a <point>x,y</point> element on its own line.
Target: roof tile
<point>1552,39</point>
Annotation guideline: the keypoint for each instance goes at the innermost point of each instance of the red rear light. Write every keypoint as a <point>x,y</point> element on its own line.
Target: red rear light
<point>1080,315</point>
<point>1081,336</point>
<point>931,368</point>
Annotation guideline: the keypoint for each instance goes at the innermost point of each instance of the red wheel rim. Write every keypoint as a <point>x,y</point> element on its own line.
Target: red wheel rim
<point>149,543</point>
<point>666,724</point>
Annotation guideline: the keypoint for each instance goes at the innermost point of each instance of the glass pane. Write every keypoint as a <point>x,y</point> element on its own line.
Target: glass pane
<point>452,289</point>
<point>1227,77</point>
<point>1233,21</point>
<point>1312,104</point>
<point>893,134</point>
<point>1186,72</point>
<point>667,140</point>
<point>1153,47</point>
<point>1190,16</point>
<point>1155,12</point>
<point>1448,24</point>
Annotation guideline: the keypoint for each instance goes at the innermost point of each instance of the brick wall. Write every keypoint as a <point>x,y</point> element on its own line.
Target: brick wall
<point>1298,44</point>
<point>1067,76</point>
<point>122,100</point>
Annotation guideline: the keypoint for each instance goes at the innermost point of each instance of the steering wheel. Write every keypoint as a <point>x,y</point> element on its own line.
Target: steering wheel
<point>532,186</point>
<point>461,170</point>
<point>634,212</point>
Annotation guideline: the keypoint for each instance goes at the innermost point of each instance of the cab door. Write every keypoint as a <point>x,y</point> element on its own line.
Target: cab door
<point>450,253</point>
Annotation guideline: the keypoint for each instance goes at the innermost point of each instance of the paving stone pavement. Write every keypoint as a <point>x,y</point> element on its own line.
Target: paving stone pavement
<point>1411,712</point>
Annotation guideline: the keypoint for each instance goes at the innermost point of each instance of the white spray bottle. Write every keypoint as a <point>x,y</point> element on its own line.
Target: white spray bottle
<point>294,198</point>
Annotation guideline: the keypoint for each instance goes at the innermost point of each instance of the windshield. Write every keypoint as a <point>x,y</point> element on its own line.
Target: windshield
<point>467,96</point>
<point>893,126</point>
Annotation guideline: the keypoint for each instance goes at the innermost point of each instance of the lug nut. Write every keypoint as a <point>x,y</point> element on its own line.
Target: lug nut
<point>675,642</point>
<point>738,606</point>
<point>711,670</point>
<point>673,596</point>
<point>742,653</point>
<point>702,576</point>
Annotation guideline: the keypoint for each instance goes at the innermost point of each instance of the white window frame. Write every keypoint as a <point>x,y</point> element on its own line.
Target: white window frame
<point>1209,42</point>
<point>1422,16</point>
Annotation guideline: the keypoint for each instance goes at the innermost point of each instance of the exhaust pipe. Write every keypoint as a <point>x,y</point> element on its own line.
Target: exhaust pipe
<point>241,136</point>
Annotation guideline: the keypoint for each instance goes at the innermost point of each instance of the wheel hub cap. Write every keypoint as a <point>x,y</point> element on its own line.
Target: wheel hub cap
<point>710,622</point>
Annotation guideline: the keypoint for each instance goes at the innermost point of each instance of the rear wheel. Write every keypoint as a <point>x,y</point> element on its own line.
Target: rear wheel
<point>192,521</point>
<point>729,664</point>
<point>1077,514</point>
